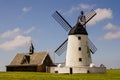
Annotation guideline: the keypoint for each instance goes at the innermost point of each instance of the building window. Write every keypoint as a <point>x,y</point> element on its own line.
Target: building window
<point>80,59</point>
<point>79,48</point>
<point>79,38</point>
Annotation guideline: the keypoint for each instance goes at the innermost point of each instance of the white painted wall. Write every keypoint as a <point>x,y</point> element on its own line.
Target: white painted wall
<point>59,70</point>
<point>76,70</point>
<point>73,53</point>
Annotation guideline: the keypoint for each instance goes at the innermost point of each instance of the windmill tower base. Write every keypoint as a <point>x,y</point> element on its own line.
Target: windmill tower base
<point>77,70</point>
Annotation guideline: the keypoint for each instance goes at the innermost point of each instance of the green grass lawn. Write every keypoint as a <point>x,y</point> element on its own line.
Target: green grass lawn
<point>110,75</point>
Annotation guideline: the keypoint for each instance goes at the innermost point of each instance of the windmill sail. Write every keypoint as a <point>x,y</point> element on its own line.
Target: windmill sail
<point>90,15</point>
<point>92,47</point>
<point>61,21</point>
<point>61,48</point>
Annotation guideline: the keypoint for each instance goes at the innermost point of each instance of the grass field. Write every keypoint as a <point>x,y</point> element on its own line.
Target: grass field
<point>110,75</point>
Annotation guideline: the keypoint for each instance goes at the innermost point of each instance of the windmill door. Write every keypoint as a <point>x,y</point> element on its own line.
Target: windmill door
<point>71,71</point>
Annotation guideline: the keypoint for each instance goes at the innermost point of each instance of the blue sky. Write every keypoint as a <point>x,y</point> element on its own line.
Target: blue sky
<point>23,20</point>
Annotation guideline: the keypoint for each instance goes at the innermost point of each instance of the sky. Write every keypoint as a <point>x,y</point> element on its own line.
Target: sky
<point>23,21</point>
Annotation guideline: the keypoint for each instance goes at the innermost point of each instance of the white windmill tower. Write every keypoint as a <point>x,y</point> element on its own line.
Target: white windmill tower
<point>78,44</point>
<point>78,53</point>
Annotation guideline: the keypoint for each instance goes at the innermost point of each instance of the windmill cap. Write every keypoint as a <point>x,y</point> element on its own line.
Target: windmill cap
<point>78,29</point>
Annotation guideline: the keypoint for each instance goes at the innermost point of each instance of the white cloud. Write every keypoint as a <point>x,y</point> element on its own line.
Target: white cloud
<point>26,9</point>
<point>13,33</point>
<point>29,30</point>
<point>113,34</point>
<point>18,41</point>
<point>79,7</point>
<point>15,38</point>
<point>85,6</point>
<point>110,26</point>
<point>102,14</point>
<point>10,33</point>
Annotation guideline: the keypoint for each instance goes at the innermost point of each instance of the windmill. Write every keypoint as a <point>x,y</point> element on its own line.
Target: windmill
<point>78,45</point>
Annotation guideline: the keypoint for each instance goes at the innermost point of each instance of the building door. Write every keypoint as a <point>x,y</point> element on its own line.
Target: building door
<point>71,71</point>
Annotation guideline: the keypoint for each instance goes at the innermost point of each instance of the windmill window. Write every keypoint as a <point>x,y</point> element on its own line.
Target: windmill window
<point>79,38</point>
<point>79,48</point>
<point>80,59</point>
